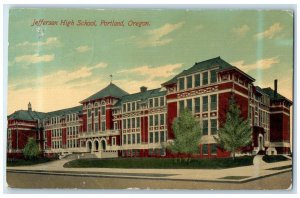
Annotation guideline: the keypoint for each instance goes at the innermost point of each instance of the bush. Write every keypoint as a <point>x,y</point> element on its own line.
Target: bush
<point>31,150</point>
<point>274,158</point>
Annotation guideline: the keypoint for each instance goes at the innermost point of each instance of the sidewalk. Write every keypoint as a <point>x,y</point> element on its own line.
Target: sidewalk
<point>235,175</point>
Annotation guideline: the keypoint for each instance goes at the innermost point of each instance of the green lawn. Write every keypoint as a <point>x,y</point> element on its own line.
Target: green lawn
<point>160,163</point>
<point>23,162</point>
<point>274,158</point>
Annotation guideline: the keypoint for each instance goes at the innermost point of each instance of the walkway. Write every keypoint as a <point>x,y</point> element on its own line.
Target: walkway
<point>239,174</point>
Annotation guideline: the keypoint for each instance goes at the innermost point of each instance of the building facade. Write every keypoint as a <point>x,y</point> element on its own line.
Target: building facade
<point>113,123</point>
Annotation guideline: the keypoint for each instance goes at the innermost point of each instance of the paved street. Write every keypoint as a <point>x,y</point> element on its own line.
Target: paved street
<point>25,180</point>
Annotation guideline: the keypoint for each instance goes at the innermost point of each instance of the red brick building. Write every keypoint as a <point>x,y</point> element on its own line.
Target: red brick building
<point>113,123</point>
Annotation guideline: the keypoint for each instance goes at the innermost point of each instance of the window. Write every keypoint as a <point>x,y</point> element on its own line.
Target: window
<point>190,104</point>
<point>162,136</point>
<point>189,82</point>
<point>197,80</point>
<point>213,76</point>
<point>213,102</point>
<point>96,127</point>
<point>103,127</point>
<point>124,107</point>
<point>151,137</point>
<point>205,127</point>
<point>133,122</point>
<point>197,105</point>
<point>181,106</point>
<point>213,126</point>
<point>205,78</point>
<point>151,120</point>
<point>213,149</point>
<point>204,149</point>
<point>156,120</point>
<point>128,106</point>
<point>138,121</point>
<point>89,127</point>
<point>133,138</point>
<point>162,119</point>
<point>133,106</point>
<point>205,104</point>
<point>96,112</point>
<point>128,123</point>
<point>156,102</point>
<point>89,112</point>
<point>151,103</point>
<point>129,138</point>
<point>162,101</point>
<point>115,125</point>
<point>124,139</point>
<point>156,137</point>
<point>138,138</point>
<point>181,84</point>
<point>137,106</point>
<point>103,110</point>
<point>124,124</point>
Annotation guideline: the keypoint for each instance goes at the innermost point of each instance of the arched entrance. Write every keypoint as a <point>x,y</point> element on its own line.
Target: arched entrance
<point>96,145</point>
<point>103,145</point>
<point>260,142</point>
<point>89,146</point>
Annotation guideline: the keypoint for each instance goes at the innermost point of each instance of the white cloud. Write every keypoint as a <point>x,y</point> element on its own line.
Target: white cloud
<point>270,32</point>
<point>57,90</point>
<point>34,58</point>
<point>156,37</point>
<point>199,27</point>
<point>149,76</point>
<point>163,71</point>
<point>83,48</point>
<point>241,31</point>
<point>260,64</point>
<point>51,41</point>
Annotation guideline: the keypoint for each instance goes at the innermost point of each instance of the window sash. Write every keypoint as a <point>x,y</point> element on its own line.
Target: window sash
<point>197,80</point>
<point>205,78</point>
<point>181,84</point>
<point>189,82</point>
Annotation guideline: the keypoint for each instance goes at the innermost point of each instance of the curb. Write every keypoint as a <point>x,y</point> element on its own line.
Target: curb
<point>72,173</point>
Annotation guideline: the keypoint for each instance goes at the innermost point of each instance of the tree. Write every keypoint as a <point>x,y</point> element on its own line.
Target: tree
<point>187,134</point>
<point>236,131</point>
<point>31,150</point>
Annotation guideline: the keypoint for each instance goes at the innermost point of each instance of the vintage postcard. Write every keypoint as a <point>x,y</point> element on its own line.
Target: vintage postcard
<point>150,99</point>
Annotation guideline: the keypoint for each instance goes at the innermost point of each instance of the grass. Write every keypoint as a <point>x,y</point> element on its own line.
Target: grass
<point>23,162</point>
<point>274,158</point>
<point>281,167</point>
<point>160,163</point>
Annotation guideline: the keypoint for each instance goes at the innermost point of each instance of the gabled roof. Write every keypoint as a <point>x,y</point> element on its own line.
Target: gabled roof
<point>141,96</point>
<point>61,112</point>
<point>26,115</point>
<point>201,66</point>
<point>111,90</point>
<point>34,115</point>
<point>269,91</point>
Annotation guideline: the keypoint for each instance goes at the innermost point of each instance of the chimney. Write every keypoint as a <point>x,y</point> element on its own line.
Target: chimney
<point>29,107</point>
<point>275,88</point>
<point>143,89</point>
